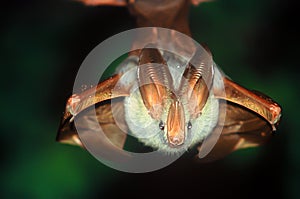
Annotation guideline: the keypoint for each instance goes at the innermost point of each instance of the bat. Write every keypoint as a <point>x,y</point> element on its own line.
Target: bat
<point>182,109</point>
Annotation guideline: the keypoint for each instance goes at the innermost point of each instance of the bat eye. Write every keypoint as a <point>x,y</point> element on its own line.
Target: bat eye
<point>189,125</point>
<point>161,125</point>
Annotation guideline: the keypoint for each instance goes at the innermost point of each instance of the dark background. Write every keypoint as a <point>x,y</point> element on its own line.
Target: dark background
<point>43,43</point>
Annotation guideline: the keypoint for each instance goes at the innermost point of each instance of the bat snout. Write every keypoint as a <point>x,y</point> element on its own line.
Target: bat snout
<point>175,124</point>
<point>176,141</point>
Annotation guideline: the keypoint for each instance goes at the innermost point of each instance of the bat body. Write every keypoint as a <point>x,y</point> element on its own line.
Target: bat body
<point>174,126</point>
<point>172,103</point>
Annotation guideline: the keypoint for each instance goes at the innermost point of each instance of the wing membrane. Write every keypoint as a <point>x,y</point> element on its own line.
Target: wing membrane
<point>80,102</point>
<point>263,105</point>
<point>242,129</point>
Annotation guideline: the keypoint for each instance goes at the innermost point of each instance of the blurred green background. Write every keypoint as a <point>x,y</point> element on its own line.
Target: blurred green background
<point>43,43</point>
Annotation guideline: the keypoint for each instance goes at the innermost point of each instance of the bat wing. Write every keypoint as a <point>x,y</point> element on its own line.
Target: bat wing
<point>249,120</point>
<point>80,107</point>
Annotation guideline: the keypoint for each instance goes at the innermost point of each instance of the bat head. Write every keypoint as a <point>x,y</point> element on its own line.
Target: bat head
<point>171,109</point>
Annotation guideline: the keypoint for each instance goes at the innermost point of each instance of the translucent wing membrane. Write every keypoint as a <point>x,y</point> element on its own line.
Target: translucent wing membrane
<point>249,120</point>
<point>260,104</point>
<point>79,103</point>
<point>242,128</point>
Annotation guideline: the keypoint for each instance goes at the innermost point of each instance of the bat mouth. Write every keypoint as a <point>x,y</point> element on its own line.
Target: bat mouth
<point>175,142</point>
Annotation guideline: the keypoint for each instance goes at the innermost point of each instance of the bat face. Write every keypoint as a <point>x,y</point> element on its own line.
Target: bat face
<point>171,109</point>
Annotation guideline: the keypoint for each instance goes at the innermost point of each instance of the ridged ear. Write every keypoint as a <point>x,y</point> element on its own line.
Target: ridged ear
<point>154,79</point>
<point>196,81</point>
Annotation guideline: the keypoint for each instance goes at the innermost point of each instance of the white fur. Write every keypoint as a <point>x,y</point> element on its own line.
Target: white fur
<point>146,129</point>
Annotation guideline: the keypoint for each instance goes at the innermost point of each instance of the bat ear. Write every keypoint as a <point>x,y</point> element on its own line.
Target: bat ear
<point>154,79</point>
<point>199,67</point>
<point>151,54</point>
<point>104,2</point>
<point>196,81</point>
